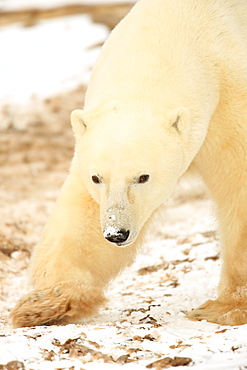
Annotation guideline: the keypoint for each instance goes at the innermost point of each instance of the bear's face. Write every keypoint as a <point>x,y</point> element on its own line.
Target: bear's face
<point>130,170</point>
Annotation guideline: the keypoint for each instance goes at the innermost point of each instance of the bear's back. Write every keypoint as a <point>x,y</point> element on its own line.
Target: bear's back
<point>161,39</point>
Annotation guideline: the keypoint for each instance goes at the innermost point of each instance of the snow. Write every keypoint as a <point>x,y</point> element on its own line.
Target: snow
<point>51,57</point>
<point>143,320</point>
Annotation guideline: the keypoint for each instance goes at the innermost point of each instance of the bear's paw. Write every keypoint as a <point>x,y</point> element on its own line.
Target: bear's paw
<point>222,312</point>
<point>55,306</point>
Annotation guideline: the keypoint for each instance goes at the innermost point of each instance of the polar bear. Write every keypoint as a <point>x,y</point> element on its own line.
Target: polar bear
<point>169,90</point>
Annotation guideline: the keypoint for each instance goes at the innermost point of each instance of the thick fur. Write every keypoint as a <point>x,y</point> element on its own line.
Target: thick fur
<point>169,89</point>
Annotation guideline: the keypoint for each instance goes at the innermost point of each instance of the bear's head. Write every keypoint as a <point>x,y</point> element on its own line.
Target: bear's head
<point>129,166</point>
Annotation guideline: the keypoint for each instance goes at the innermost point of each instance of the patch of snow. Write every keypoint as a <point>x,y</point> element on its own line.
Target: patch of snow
<point>51,57</point>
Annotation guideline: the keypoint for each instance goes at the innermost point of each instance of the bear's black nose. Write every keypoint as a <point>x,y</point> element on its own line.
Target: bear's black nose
<point>118,236</point>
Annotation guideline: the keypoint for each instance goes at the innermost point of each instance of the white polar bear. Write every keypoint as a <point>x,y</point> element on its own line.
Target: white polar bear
<point>169,89</point>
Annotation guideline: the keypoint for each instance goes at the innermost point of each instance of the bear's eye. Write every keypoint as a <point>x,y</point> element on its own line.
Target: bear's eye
<point>143,178</point>
<point>96,179</point>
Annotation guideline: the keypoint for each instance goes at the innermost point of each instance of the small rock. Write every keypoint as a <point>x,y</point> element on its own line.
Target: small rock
<point>167,362</point>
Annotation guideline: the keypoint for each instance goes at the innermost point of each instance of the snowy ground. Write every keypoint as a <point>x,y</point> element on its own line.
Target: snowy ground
<point>178,269</point>
<point>143,321</point>
<point>48,57</point>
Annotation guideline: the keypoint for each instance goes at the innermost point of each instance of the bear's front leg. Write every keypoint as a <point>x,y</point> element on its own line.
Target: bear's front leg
<point>72,264</point>
<point>223,164</point>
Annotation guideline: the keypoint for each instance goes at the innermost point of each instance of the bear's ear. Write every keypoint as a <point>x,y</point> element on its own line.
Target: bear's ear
<point>77,119</point>
<point>179,119</point>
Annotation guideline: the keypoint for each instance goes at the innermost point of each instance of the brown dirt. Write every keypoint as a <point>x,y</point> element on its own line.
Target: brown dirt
<point>109,14</point>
